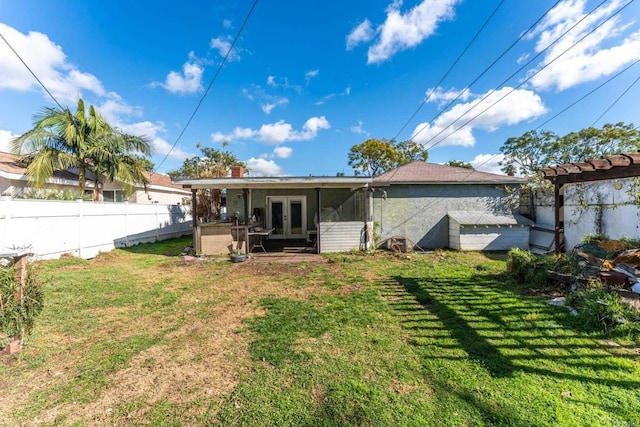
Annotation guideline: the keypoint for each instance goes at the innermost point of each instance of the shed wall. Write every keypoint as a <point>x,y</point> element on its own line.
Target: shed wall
<point>419,212</point>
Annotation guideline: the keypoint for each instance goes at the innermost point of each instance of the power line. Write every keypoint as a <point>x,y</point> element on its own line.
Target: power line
<point>31,71</point>
<point>204,95</point>
<point>486,70</point>
<point>587,94</point>
<point>582,98</point>
<point>450,68</point>
<point>617,99</point>
<point>524,81</point>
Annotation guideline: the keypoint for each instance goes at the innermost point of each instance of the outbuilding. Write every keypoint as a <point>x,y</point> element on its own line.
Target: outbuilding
<point>487,231</point>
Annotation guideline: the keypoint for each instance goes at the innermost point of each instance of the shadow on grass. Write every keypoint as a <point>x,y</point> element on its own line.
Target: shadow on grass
<point>169,247</point>
<point>477,319</point>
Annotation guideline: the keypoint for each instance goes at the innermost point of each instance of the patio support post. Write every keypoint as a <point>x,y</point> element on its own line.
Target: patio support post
<point>318,220</point>
<point>559,216</point>
<point>194,206</point>
<point>245,199</point>
<point>364,196</point>
<point>194,221</point>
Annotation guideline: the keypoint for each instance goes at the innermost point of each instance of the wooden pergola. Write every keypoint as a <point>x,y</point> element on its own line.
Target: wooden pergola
<point>608,167</point>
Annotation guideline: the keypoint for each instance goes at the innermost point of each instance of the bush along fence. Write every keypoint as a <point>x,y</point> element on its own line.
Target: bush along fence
<point>49,228</point>
<point>21,300</point>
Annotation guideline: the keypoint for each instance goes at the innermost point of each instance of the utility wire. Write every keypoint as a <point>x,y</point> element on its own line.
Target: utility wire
<point>433,89</point>
<point>204,95</point>
<point>589,93</point>
<point>617,99</point>
<point>524,81</point>
<point>31,71</point>
<point>582,98</point>
<point>572,104</point>
<point>486,70</point>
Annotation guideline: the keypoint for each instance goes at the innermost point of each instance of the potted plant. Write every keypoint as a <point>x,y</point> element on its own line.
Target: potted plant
<point>20,304</point>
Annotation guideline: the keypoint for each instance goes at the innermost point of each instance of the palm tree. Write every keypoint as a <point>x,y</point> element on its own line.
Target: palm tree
<point>62,140</point>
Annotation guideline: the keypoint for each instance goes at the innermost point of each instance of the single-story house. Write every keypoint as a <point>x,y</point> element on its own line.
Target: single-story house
<point>353,213</point>
<point>14,182</point>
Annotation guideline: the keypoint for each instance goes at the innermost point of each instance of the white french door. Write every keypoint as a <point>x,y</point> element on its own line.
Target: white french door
<point>287,215</point>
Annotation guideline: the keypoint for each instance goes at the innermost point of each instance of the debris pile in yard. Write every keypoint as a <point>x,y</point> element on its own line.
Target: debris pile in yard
<point>604,261</point>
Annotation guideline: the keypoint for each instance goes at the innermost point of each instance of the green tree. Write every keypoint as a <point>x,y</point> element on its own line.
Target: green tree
<point>374,156</point>
<point>61,140</point>
<point>213,163</point>
<point>527,154</point>
<point>459,164</point>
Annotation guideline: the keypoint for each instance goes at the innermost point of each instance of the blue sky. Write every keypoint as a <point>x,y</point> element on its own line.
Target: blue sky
<point>308,80</point>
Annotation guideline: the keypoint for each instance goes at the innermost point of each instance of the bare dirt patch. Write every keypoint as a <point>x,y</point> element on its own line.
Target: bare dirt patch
<point>201,354</point>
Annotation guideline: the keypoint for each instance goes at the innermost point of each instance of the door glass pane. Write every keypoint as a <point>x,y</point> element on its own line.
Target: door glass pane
<point>295,215</point>
<point>276,217</point>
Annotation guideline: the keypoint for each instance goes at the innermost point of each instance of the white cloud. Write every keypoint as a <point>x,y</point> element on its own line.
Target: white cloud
<point>153,131</point>
<point>330,96</point>
<point>222,45</point>
<point>311,74</point>
<point>283,83</point>
<point>488,163</point>
<point>267,102</point>
<point>269,106</point>
<point>262,167</point>
<point>361,34</point>
<point>401,31</point>
<point>276,133</point>
<point>5,138</point>
<point>601,53</point>
<point>227,24</point>
<point>114,108</point>
<point>48,61</point>
<point>517,106</point>
<point>359,129</point>
<point>283,152</point>
<point>188,81</point>
<point>442,97</point>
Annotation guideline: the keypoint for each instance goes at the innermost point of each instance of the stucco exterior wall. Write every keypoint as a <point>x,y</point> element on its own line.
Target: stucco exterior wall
<point>419,212</point>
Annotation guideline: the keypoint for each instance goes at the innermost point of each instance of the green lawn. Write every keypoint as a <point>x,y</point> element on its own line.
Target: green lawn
<point>143,337</point>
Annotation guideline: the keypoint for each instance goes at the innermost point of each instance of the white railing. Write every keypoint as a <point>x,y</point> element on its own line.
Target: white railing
<point>84,229</point>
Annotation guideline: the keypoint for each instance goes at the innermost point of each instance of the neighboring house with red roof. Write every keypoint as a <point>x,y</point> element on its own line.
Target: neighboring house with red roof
<point>14,182</point>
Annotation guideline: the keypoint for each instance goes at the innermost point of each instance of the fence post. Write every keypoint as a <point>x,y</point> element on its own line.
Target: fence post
<point>157,225</point>
<point>6,201</point>
<point>80,216</point>
<point>126,224</point>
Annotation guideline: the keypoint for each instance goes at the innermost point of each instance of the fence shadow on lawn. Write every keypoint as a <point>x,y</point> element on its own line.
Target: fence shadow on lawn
<point>478,319</point>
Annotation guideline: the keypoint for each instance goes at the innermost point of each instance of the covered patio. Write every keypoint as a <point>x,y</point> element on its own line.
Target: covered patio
<point>322,214</point>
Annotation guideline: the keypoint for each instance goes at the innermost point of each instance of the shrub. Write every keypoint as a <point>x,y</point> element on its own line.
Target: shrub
<point>18,317</point>
<point>525,268</point>
<point>601,310</point>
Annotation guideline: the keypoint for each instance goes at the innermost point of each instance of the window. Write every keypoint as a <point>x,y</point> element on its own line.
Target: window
<point>113,196</point>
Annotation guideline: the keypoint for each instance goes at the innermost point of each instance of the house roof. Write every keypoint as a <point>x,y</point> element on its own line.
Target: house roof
<point>11,168</point>
<point>276,182</point>
<point>488,218</point>
<point>423,172</point>
<point>159,180</point>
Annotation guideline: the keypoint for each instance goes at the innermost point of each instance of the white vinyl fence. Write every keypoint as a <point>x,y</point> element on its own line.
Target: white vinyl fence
<point>84,229</point>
